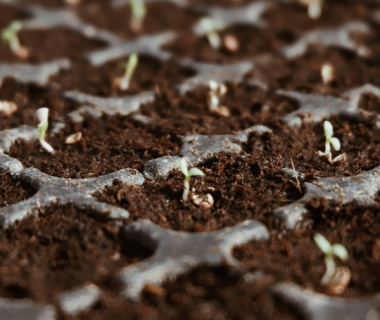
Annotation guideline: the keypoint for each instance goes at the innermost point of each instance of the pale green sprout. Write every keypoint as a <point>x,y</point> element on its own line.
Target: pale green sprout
<point>138,14</point>
<point>188,174</point>
<point>41,120</point>
<point>210,28</point>
<point>10,35</point>
<point>328,129</point>
<point>130,67</point>
<point>330,251</point>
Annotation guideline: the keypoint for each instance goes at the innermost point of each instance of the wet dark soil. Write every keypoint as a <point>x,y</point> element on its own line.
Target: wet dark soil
<point>108,144</point>
<point>190,113</point>
<point>359,142</point>
<point>63,247</point>
<point>29,98</point>
<point>205,293</point>
<point>252,42</point>
<point>113,143</point>
<point>303,74</point>
<point>334,13</point>
<point>51,44</point>
<point>150,74</point>
<point>294,256</point>
<point>58,250</point>
<point>161,16</point>
<point>241,187</point>
<point>9,14</point>
<point>11,191</point>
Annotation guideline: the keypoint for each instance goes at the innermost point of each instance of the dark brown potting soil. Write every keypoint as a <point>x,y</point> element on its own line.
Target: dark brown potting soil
<point>9,14</point>
<point>205,293</point>
<point>51,44</point>
<point>63,247</point>
<point>252,42</point>
<point>11,191</point>
<point>161,16</point>
<point>29,98</point>
<point>108,144</point>
<point>303,74</point>
<point>359,142</point>
<point>294,256</point>
<point>240,187</point>
<point>58,250</point>
<point>150,74</point>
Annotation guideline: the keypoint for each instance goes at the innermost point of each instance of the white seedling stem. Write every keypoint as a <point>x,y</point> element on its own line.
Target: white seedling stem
<point>41,120</point>
<point>211,31</point>
<point>10,35</point>
<point>214,97</point>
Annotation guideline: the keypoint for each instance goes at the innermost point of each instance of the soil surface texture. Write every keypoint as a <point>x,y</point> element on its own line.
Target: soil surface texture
<point>58,250</point>
<point>62,247</point>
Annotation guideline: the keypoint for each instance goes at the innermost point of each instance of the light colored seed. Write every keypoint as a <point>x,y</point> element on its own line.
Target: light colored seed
<point>73,138</point>
<point>231,43</point>
<point>223,111</point>
<point>205,202</point>
<point>327,73</point>
<point>155,290</point>
<point>222,89</point>
<point>339,282</point>
<point>8,107</point>
<point>73,2</point>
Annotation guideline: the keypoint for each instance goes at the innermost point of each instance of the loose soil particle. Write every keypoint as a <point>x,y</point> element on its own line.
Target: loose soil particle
<point>58,250</point>
<point>295,256</point>
<point>241,187</point>
<point>12,192</point>
<point>203,294</point>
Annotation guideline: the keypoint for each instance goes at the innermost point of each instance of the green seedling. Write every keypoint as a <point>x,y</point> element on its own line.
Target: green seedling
<point>330,251</point>
<point>130,67</point>
<point>211,31</point>
<point>10,35</point>
<point>40,119</point>
<point>138,10</point>
<point>188,174</point>
<point>328,129</point>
